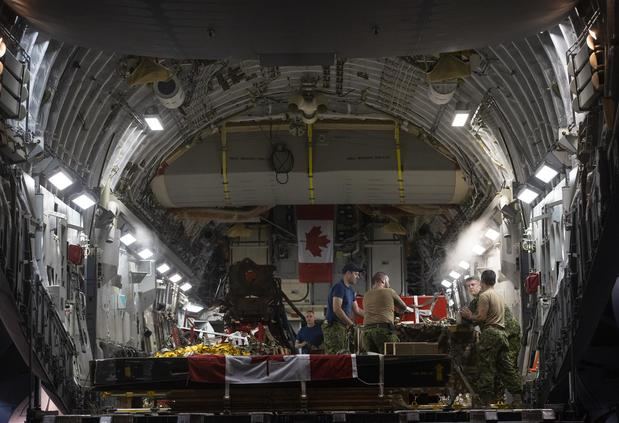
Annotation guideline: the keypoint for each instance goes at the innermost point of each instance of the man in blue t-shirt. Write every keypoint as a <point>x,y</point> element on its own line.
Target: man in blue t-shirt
<point>341,307</point>
<point>309,337</point>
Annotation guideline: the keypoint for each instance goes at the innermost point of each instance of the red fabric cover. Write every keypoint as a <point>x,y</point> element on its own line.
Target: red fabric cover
<point>75,254</point>
<point>438,312</point>
<point>270,368</point>
<point>532,282</point>
<point>330,367</point>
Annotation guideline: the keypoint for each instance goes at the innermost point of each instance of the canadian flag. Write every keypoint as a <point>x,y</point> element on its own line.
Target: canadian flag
<point>271,368</point>
<point>315,239</point>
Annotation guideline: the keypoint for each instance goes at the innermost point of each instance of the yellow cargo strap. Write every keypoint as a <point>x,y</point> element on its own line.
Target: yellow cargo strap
<point>310,160</point>
<point>399,161</point>
<point>224,162</point>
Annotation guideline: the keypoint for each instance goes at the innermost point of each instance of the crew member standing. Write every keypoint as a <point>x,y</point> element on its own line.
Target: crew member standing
<point>512,330</point>
<point>341,308</point>
<point>379,305</point>
<point>493,349</point>
<point>310,336</point>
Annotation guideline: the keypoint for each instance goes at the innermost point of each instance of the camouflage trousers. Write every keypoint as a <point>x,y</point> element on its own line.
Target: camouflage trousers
<point>373,339</point>
<point>513,351</point>
<point>336,338</point>
<point>494,361</point>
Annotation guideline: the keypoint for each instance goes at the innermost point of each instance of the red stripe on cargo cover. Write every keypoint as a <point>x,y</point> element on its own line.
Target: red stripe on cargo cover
<point>315,212</point>
<point>330,367</point>
<point>315,272</point>
<point>207,368</point>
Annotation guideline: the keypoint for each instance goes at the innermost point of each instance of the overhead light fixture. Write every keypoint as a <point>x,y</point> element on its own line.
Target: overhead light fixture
<point>454,274</point>
<point>154,123</point>
<point>464,264</point>
<point>479,250</point>
<point>527,195</point>
<point>84,201</point>
<point>194,308</point>
<point>546,173</point>
<point>461,114</point>
<point>163,268</point>
<point>127,239</point>
<point>185,287</point>
<point>151,116</point>
<point>491,234</point>
<point>176,277</point>
<point>60,180</point>
<point>145,254</point>
<point>446,283</point>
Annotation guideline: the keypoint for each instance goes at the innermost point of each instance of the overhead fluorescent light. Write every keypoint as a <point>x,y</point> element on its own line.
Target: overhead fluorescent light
<point>479,250</point>
<point>60,180</point>
<point>84,201</point>
<point>154,123</point>
<point>185,287</point>
<point>491,234</point>
<point>527,195</point>
<point>461,114</point>
<point>145,254</point>
<point>176,277</point>
<point>194,308</point>
<point>127,239</point>
<point>446,283</point>
<point>454,274</point>
<point>546,173</point>
<point>163,268</point>
<point>464,264</point>
<point>460,119</point>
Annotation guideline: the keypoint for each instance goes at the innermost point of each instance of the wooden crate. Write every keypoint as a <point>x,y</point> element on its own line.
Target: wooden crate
<point>411,348</point>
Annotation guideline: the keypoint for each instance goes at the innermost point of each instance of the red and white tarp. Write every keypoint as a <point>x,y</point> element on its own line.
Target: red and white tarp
<point>315,239</point>
<point>271,368</point>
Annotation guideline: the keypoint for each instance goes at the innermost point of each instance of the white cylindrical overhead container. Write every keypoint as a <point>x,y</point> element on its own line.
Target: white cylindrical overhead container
<point>170,93</point>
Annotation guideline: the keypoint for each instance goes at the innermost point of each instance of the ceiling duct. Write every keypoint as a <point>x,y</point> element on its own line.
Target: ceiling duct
<point>449,66</point>
<point>143,71</point>
<point>442,92</point>
<point>309,104</point>
<point>170,93</point>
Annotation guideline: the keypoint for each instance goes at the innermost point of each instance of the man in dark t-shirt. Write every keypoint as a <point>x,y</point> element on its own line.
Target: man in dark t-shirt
<point>341,308</point>
<point>309,337</point>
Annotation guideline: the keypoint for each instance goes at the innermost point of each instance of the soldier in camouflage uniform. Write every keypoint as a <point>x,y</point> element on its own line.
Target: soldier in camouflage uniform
<point>493,349</point>
<point>512,330</point>
<point>379,304</point>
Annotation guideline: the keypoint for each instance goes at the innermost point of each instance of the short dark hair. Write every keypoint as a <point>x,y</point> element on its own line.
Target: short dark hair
<point>488,277</point>
<point>470,278</point>
<point>378,277</point>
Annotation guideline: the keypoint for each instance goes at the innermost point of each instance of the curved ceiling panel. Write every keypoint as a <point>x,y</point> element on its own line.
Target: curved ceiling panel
<point>289,32</point>
<point>350,166</point>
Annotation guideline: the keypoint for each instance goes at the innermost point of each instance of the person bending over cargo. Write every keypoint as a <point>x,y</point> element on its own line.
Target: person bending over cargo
<point>379,304</point>
<point>493,349</point>
<point>341,305</point>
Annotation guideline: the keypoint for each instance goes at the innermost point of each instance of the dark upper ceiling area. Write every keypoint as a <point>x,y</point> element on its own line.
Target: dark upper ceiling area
<point>289,32</point>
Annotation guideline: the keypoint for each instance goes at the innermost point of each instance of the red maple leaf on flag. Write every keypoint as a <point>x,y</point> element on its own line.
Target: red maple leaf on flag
<point>315,240</point>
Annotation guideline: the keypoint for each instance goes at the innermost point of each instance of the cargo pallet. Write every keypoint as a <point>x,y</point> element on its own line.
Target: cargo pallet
<point>434,416</point>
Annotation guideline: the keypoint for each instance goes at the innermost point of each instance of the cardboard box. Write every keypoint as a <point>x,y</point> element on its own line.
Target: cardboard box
<point>411,348</point>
